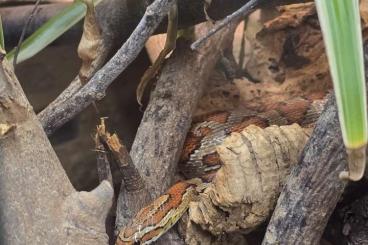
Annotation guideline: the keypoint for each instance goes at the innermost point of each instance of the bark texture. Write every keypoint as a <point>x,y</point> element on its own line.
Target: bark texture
<point>33,183</point>
<point>38,203</point>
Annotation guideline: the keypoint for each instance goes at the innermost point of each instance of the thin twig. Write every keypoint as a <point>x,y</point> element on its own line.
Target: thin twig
<point>132,179</point>
<point>24,32</point>
<point>103,163</point>
<point>248,8</point>
<point>95,89</point>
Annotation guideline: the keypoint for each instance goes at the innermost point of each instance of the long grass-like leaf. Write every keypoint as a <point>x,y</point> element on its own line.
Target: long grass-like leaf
<point>2,40</point>
<point>50,31</point>
<point>340,23</point>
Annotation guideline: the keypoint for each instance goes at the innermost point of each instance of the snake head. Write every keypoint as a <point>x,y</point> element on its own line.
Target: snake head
<point>156,218</point>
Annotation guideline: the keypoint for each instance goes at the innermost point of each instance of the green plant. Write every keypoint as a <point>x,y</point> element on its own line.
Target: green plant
<point>1,34</point>
<point>50,31</point>
<point>340,24</point>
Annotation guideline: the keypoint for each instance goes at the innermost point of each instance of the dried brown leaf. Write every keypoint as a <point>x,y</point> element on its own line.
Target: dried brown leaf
<point>91,45</point>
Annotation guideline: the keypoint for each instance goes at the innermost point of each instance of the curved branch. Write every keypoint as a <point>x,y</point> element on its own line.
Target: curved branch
<point>53,118</point>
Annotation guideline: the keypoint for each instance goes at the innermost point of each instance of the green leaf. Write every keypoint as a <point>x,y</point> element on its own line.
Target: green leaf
<point>340,23</point>
<point>2,34</point>
<point>50,31</point>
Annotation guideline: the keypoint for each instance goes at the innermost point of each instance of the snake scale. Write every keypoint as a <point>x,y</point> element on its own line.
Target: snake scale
<point>200,161</point>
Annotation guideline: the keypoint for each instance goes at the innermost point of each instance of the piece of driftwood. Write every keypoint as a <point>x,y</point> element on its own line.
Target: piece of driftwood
<point>38,203</point>
<point>241,13</point>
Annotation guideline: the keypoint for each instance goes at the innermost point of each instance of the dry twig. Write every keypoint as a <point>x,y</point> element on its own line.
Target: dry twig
<point>248,8</point>
<point>103,164</point>
<point>131,177</point>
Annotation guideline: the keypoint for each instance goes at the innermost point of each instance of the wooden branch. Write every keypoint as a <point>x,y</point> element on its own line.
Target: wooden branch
<point>132,179</point>
<point>134,192</point>
<point>38,203</point>
<point>313,188</point>
<point>103,163</point>
<point>244,11</point>
<point>26,155</point>
<point>95,89</point>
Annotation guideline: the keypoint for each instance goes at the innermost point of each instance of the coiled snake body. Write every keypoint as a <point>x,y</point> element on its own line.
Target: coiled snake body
<point>200,161</point>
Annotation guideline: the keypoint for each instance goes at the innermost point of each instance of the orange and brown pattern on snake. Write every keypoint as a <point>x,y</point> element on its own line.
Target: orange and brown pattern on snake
<point>192,142</point>
<point>146,220</point>
<point>255,120</point>
<point>152,235</point>
<point>293,111</point>
<point>218,116</point>
<point>194,139</point>
<point>201,141</point>
<point>212,159</point>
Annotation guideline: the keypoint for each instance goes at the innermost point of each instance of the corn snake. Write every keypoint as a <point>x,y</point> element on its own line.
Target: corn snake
<point>200,161</point>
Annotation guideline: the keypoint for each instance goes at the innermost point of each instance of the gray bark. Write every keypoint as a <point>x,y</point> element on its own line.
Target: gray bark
<point>38,204</point>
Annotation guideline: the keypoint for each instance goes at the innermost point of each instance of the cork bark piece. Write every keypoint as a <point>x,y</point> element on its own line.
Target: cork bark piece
<point>256,163</point>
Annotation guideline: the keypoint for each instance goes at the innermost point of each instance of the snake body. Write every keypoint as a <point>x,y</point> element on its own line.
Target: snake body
<point>155,219</point>
<point>199,157</point>
<point>200,161</point>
